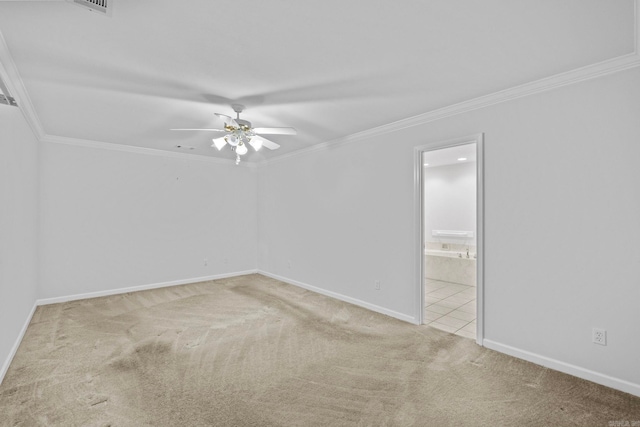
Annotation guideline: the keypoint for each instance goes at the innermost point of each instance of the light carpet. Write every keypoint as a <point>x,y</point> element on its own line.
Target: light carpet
<point>253,351</point>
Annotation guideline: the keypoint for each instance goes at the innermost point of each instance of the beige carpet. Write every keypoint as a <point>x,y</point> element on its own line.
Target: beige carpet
<point>252,351</point>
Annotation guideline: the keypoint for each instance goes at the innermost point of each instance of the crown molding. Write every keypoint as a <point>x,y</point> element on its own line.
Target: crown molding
<point>588,72</point>
<point>12,79</point>
<point>139,150</point>
<point>577,75</point>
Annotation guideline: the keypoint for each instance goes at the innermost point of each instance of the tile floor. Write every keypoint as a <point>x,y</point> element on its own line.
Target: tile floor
<point>451,307</point>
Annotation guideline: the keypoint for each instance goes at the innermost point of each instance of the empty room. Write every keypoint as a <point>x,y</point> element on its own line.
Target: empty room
<point>356,213</point>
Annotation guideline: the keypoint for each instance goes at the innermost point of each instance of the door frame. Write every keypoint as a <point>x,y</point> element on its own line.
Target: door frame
<point>478,139</point>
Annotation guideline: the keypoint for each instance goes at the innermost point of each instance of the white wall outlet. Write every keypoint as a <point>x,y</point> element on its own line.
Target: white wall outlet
<point>206,262</point>
<point>599,336</point>
<point>225,261</point>
<point>376,284</point>
<point>289,264</point>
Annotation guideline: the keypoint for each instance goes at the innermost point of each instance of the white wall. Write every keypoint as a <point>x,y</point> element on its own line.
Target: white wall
<point>561,208</point>
<point>18,227</point>
<point>450,201</point>
<point>562,203</point>
<point>113,219</point>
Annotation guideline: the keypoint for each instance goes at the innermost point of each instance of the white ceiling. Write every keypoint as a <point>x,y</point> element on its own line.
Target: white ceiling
<point>450,155</point>
<point>329,68</point>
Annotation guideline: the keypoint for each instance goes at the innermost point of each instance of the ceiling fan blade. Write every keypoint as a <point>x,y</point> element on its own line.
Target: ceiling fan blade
<point>275,131</point>
<point>208,130</point>
<point>228,121</point>
<point>259,141</point>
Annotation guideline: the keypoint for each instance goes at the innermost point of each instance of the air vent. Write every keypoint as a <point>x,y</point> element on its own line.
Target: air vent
<point>102,6</point>
<point>5,98</point>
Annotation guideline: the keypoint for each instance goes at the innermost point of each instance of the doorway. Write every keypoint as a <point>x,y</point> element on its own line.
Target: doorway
<point>449,200</point>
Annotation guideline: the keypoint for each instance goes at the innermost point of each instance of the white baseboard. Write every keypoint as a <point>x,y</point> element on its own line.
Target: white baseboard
<point>75,297</point>
<point>56,300</point>
<point>596,377</point>
<point>567,368</point>
<point>14,349</point>
<point>354,301</point>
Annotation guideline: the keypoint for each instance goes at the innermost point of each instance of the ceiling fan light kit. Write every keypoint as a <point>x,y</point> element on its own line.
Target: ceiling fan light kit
<point>240,133</point>
<point>5,97</point>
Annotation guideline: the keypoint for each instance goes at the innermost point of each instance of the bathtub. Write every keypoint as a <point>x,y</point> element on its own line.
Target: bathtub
<point>449,254</point>
<point>450,266</point>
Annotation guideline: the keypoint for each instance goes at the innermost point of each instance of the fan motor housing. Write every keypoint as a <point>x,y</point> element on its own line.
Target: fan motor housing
<point>244,123</point>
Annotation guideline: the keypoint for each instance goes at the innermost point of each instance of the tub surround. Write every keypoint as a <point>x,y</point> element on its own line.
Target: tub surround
<point>448,262</point>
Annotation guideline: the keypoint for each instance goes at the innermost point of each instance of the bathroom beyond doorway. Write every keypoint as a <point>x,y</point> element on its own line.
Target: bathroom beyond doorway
<point>450,236</point>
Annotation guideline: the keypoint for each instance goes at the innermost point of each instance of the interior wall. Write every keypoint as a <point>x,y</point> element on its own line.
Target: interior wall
<point>450,201</point>
<point>18,227</point>
<point>561,208</point>
<point>114,219</point>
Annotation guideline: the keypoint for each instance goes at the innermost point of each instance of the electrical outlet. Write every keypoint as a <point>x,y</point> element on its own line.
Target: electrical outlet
<point>599,336</point>
<point>289,264</point>
<point>225,261</point>
<point>206,262</point>
<point>376,284</point>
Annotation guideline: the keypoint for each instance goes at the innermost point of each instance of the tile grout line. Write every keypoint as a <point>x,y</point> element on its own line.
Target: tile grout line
<point>455,332</point>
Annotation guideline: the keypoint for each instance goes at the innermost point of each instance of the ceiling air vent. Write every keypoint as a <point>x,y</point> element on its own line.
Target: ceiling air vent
<point>102,6</point>
<point>5,98</point>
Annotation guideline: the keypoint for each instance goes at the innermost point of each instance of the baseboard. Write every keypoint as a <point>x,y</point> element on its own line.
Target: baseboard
<point>354,301</point>
<point>567,368</point>
<point>56,300</point>
<point>14,349</point>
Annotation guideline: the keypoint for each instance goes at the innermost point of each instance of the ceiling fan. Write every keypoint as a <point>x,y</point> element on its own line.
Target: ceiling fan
<point>239,133</point>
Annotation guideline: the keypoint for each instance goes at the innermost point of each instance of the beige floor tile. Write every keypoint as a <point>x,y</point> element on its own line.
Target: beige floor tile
<point>429,299</point>
<point>469,307</point>
<point>470,292</point>
<point>458,299</point>
<point>436,308</point>
<point>466,334</point>
<point>442,293</point>
<point>442,327</point>
<point>470,327</point>
<point>451,307</point>
<point>435,286</point>
<point>459,288</point>
<point>446,303</point>
<point>462,315</point>
<point>430,316</point>
<point>452,321</point>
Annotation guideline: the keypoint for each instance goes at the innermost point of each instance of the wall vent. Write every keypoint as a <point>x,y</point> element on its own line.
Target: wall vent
<point>103,7</point>
<point>5,98</point>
